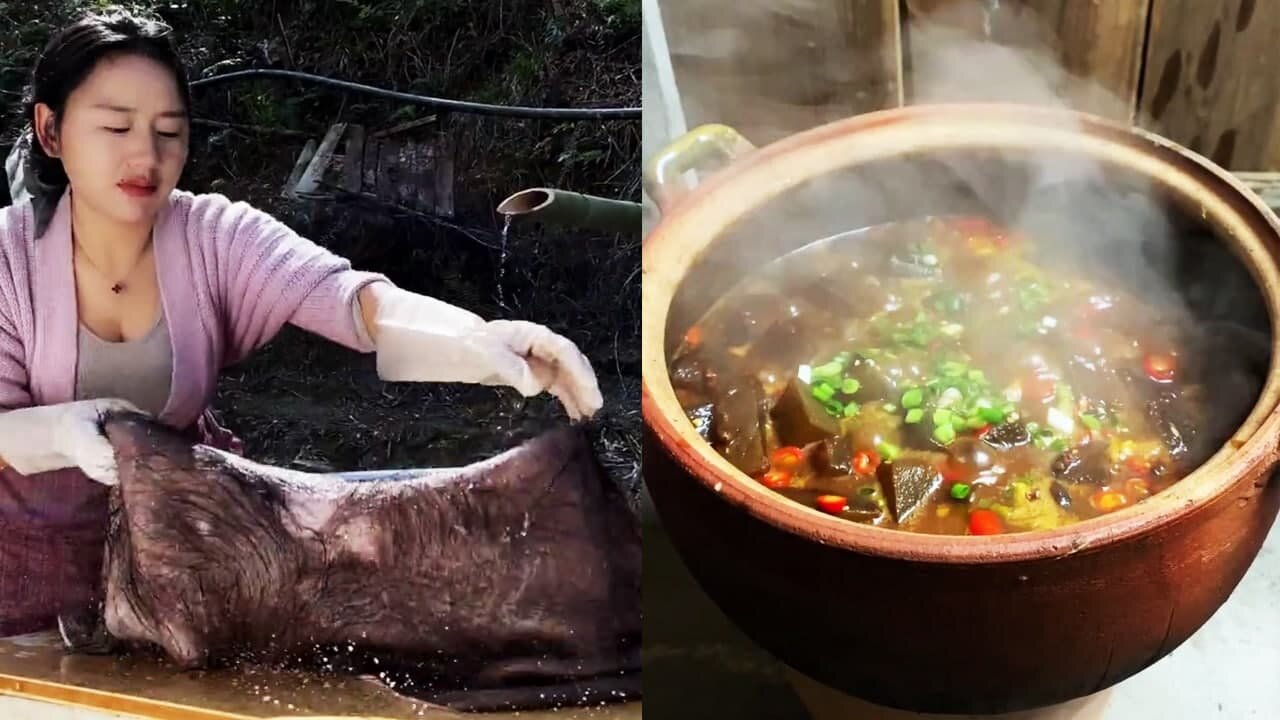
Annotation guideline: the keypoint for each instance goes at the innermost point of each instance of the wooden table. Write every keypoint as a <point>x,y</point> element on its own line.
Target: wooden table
<point>38,680</point>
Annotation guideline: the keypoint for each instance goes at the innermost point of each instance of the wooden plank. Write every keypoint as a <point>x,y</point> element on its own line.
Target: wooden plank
<point>772,69</point>
<point>1086,54</point>
<point>405,174</point>
<point>353,159</point>
<point>402,127</point>
<point>1210,79</point>
<point>299,165</point>
<point>319,164</point>
<point>444,177</point>
<point>369,168</point>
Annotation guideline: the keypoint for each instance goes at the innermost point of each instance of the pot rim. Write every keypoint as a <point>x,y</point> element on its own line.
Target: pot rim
<point>695,221</point>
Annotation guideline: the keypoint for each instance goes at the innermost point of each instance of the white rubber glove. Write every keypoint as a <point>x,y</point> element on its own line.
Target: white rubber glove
<point>421,339</point>
<point>55,437</point>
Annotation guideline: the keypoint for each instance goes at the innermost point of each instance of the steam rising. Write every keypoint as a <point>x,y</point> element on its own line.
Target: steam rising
<point>1104,223</point>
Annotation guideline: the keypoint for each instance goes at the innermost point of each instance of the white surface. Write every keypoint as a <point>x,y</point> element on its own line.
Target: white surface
<point>1229,669</point>
<point>12,708</point>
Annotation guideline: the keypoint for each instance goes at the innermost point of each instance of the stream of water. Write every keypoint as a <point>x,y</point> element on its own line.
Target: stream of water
<point>502,264</point>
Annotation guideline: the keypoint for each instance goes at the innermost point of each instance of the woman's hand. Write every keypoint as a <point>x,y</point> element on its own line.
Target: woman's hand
<point>421,339</point>
<point>554,363</point>
<point>55,437</point>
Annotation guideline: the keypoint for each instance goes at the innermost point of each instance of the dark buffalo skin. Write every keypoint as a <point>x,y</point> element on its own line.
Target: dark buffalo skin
<point>509,584</point>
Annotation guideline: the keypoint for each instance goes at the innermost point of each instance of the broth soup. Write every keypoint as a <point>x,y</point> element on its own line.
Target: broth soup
<point>941,376</point>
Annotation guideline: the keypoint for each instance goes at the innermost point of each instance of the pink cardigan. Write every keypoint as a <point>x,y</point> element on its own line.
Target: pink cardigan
<point>230,277</point>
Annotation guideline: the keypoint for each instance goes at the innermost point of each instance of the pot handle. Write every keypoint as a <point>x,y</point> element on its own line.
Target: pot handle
<point>663,173</point>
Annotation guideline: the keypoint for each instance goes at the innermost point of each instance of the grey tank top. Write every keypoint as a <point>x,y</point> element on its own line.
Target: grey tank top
<point>138,370</point>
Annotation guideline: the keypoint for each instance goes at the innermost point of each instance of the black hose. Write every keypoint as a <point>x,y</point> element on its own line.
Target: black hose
<point>455,105</point>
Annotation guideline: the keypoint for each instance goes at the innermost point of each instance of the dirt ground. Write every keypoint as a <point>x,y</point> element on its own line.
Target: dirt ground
<point>304,402</point>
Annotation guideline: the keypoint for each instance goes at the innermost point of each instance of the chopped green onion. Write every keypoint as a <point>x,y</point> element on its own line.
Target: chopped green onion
<point>888,451</point>
<point>834,407</point>
<point>914,415</point>
<point>890,408</point>
<point>944,434</point>
<point>1091,422</point>
<point>823,392</point>
<point>975,423</point>
<point>977,376</point>
<point>995,416</point>
<point>952,368</point>
<point>912,398</point>
<point>960,491</point>
<point>829,371</point>
<point>851,409</point>
<point>941,417</point>
<point>850,386</point>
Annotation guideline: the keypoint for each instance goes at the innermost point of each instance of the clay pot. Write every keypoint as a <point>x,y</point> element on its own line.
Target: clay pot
<point>944,624</point>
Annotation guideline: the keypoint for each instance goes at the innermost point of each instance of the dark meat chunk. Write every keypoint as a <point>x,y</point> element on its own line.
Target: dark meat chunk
<point>736,430</point>
<point>702,418</point>
<point>799,418</point>
<point>1060,495</point>
<point>909,481</point>
<point>881,376</point>
<point>1175,417</point>
<point>1084,464</point>
<point>510,584</point>
<point>793,336</point>
<point>688,372</point>
<point>1007,436</point>
<point>833,456</point>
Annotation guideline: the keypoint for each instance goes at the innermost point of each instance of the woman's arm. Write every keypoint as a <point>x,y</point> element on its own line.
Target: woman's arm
<point>263,275</point>
<point>369,298</point>
<point>267,275</point>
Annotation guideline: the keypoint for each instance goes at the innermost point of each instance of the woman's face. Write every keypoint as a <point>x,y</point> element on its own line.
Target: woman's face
<point>123,138</point>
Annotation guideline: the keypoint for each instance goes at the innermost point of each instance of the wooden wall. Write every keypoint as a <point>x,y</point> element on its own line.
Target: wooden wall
<point>1205,73</point>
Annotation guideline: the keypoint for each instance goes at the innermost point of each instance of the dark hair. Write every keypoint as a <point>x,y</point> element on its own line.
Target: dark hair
<point>69,57</point>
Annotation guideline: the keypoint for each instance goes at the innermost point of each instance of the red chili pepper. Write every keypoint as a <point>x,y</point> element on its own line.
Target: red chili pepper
<point>1160,367</point>
<point>776,479</point>
<point>865,462</point>
<point>693,338</point>
<point>985,522</point>
<point>1108,500</point>
<point>786,459</point>
<point>834,504</point>
<point>982,431</point>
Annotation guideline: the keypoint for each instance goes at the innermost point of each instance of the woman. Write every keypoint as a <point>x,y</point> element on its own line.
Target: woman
<point>119,291</point>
